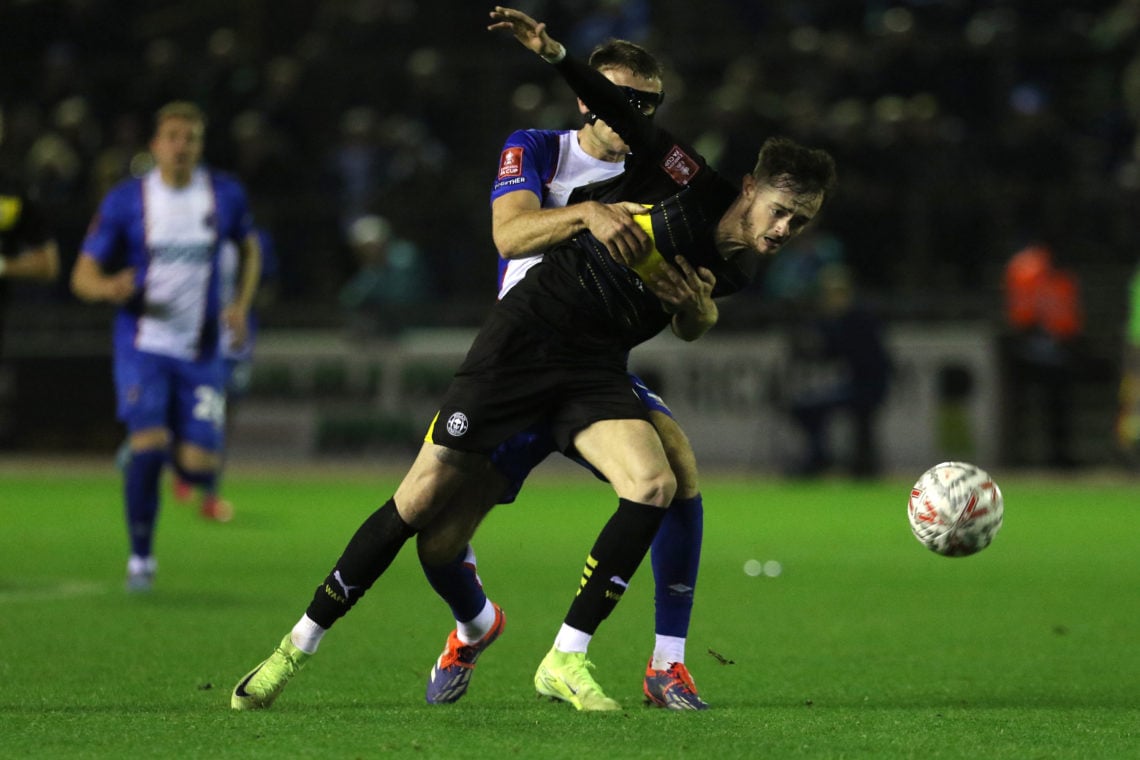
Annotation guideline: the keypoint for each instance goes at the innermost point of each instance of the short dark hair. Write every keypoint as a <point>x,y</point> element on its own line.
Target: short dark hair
<point>785,163</point>
<point>615,53</point>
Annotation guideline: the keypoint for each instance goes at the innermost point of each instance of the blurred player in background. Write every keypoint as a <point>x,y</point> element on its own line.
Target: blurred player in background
<point>538,170</point>
<point>555,350</point>
<point>28,249</point>
<point>153,250</point>
<point>238,357</point>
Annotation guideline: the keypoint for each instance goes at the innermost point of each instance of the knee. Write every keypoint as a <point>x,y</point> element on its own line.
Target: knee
<point>195,459</point>
<point>657,489</point>
<point>683,463</point>
<point>150,439</point>
<point>679,452</point>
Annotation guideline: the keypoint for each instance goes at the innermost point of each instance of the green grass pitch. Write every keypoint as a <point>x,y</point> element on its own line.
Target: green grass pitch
<point>865,645</point>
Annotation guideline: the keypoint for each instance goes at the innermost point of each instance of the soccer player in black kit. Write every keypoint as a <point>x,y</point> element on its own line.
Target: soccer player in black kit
<point>554,350</point>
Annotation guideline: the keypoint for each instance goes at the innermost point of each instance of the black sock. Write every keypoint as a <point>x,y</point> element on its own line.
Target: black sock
<point>368,554</point>
<point>620,547</point>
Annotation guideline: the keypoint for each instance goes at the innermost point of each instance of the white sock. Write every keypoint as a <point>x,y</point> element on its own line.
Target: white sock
<point>137,564</point>
<point>477,627</point>
<point>571,640</point>
<point>307,635</point>
<point>667,650</point>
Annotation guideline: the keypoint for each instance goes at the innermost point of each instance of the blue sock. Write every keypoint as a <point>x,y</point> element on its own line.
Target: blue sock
<point>140,490</point>
<point>458,585</point>
<point>676,557</point>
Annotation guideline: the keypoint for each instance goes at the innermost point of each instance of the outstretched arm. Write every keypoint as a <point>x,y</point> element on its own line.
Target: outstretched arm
<point>599,94</point>
<point>530,33</point>
<point>521,227</point>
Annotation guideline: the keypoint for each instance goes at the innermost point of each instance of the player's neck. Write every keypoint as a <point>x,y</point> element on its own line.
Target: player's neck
<point>174,178</point>
<point>595,148</point>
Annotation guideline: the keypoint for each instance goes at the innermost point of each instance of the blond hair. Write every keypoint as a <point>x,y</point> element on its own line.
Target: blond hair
<point>180,109</point>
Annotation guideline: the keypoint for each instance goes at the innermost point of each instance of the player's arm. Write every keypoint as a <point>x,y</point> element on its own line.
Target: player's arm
<point>521,227</point>
<point>38,262</point>
<point>236,314</point>
<point>599,94</point>
<point>37,257</point>
<point>686,293</point>
<point>90,283</point>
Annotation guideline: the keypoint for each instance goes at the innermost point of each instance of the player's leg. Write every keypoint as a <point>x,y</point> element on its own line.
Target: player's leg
<point>198,423</point>
<point>435,477</point>
<point>142,388</point>
<point>237,376</point>
<point>448,561</point>
<point>629,454</point>
<point>675,557</point>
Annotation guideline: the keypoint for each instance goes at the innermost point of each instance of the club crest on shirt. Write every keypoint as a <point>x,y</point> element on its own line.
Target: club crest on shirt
<point>680,166</point>
<point>510,163</point>
<point>457,424</point>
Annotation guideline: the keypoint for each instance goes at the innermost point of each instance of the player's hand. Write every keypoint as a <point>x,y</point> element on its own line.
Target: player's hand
<point>532,34</point>
<point>237,320</point>
<point>613,225</point>
<point>684,289</point>
<point>120,286</point>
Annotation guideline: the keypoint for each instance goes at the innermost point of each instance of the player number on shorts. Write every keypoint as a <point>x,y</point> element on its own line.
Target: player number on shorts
<point>210,405</point>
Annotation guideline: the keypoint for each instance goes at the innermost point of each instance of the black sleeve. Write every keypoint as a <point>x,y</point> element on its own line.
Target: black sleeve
<point>610,104</point>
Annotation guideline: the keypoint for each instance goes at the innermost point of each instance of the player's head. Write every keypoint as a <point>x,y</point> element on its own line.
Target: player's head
<point>179,136</point>
<point>635,70</point>
<point>780,196</point>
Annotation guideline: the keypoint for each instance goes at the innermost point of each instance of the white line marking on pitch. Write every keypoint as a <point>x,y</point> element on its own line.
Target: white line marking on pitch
<point>51,591</point>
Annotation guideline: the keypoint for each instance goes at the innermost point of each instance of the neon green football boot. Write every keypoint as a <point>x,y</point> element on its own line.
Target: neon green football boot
<point>566,676</point>
<point>262,684</point>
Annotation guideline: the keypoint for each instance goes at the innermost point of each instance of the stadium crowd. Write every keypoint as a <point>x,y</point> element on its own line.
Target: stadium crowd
<point>963,129</point>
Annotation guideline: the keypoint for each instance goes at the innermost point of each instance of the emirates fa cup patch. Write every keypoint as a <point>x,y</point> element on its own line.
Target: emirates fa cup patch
<point>457,425</point>
<point>510,163</point>
<point>680,166</point>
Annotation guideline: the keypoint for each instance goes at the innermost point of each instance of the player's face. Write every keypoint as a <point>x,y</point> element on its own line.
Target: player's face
<point>771,216</point>
<point>608,140</point>
<point>177,148</point>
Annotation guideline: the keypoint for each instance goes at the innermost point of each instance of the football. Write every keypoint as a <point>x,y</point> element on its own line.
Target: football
<point>955,509</point>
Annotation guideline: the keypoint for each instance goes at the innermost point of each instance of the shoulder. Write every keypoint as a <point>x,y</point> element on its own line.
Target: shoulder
<point>534,138</point>
<point>125,196</point>
<point>225,182</point>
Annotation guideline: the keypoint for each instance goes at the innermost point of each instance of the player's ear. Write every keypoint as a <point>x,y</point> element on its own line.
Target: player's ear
<point>582,109</point>
<point>748,185</point>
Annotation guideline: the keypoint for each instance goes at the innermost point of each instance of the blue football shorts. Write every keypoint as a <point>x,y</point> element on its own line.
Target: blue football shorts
<point>183,396</point>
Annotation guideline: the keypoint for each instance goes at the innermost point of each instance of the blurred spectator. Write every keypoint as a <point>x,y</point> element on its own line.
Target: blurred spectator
<point>1045,317</point>
<point>357,163</point>
<point>794,278</point>
<point>840,367</point>
<point>390,281</point>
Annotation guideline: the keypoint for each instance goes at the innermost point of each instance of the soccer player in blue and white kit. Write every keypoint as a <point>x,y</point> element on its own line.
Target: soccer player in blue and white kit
<point>153,249</point>
<point>531,210</point>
